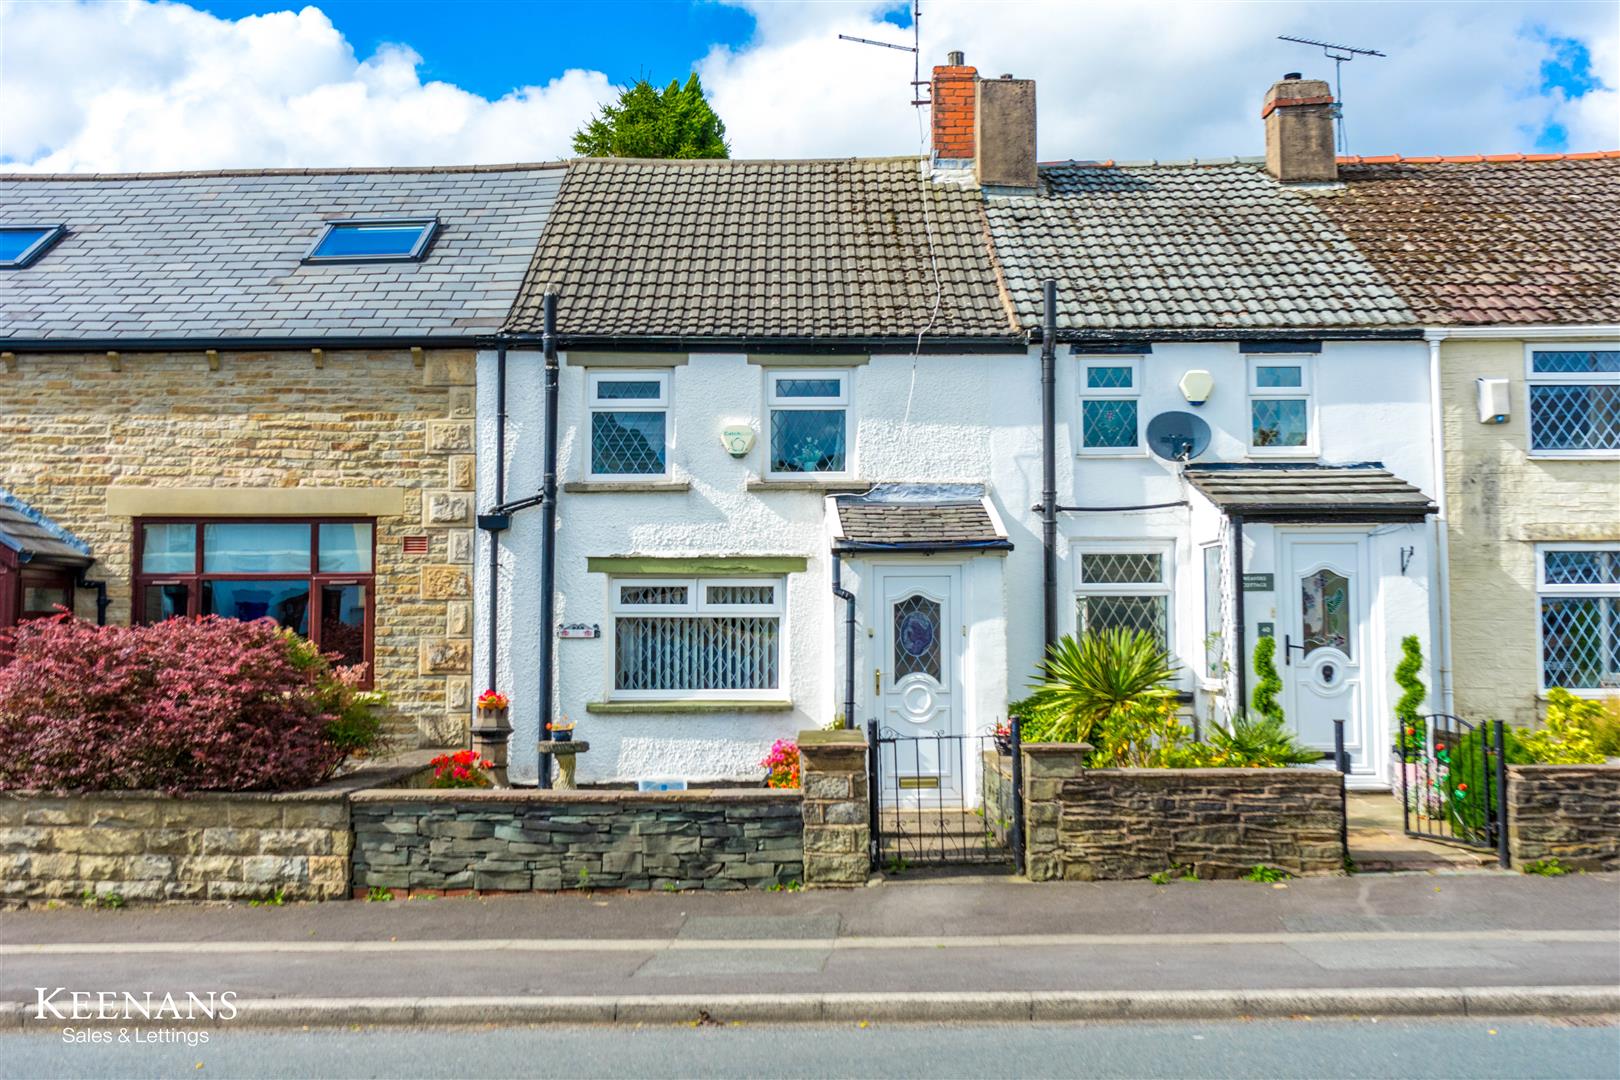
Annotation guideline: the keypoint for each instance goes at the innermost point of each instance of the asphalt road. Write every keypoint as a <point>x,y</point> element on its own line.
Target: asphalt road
<point>1472,1049</point>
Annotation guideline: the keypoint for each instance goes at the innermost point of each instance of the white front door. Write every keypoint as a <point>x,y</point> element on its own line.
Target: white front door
<point>1323,601</point>
<point>918,675</point>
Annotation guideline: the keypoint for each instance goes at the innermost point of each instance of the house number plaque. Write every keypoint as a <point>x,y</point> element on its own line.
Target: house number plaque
<point>578,630</point>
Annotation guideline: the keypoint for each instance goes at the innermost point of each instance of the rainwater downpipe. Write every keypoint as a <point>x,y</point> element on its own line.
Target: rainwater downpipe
<point>495,522</point>
<point>1239,620</point>
<point>548,532</point>
<point>1049,457</point>
<point>1442,530</point>
<point>849,638</point>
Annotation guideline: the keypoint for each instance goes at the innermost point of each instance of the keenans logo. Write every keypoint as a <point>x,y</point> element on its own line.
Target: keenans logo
<point>60,1003</point>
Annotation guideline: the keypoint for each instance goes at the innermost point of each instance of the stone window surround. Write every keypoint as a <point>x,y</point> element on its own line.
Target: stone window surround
<point>1545,591</point>
<point>1306,362</point>
<point>193,580</point>
<point>1130,393</point>
<point>1532,378</point>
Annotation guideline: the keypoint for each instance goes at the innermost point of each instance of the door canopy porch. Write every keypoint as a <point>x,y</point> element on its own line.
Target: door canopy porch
<point>39,561</point>
<point>1304,493</point>
<point>918,518</point>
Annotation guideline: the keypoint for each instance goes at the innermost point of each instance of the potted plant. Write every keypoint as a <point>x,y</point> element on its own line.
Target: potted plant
<point>561,731</point>
<point>1003,738</point>
<point>462,769</point>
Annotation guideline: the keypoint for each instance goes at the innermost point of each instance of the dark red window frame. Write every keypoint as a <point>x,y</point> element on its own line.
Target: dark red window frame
<point>316,578</point>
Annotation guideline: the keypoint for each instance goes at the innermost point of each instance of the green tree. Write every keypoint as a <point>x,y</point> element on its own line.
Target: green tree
<point>676,122</point>
<point>1264,698</point>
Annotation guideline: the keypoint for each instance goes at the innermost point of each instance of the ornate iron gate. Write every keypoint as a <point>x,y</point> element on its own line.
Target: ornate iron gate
<point>1454,782</point>
<point>943,800</point>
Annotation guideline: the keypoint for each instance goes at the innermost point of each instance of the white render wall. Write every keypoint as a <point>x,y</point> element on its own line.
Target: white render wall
<point>953,418</point>
<point>935,418</point>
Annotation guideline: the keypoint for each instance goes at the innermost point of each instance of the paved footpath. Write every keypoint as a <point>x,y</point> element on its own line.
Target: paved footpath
<point>990,948</point>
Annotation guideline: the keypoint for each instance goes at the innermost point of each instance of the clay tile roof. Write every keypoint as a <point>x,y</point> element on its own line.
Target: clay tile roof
<point>219,254</point>
<point>1189,245</point>
<point>764,249</point>
<point>1508,238</point>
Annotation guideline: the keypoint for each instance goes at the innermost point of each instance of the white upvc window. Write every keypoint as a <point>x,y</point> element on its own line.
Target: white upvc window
<point>809,422</point>
<point>1214,608</point>
<point>1125,584</point>
<point>697,638</point>
<point>1110,398</point>
<point>1282,414</point>
<point>1573,399</point>
<point>1578,592</point>
<point>629,424</point>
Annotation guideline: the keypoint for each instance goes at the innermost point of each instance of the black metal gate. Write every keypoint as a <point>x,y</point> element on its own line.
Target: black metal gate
<point>944,800</point>
<point>1454,782</point>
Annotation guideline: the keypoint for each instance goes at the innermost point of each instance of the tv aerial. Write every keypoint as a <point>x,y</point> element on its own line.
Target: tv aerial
<point>915,49</point>
<point>1339,54</point>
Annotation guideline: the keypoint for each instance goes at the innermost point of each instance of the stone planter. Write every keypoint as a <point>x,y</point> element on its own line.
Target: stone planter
<point>491,731</point>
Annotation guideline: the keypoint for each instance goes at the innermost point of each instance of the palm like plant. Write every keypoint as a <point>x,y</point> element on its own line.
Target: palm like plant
<point>1101,681</point>
<point>1253,740</point>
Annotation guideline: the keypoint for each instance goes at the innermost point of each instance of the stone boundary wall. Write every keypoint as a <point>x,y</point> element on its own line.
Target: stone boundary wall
<point>151,846</point>
<point>1107,824</point>
<point>837,815</point>
<point>1566,812</point>
<point>434,841</point>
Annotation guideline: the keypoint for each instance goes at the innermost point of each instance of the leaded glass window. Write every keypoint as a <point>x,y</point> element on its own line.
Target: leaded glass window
<point>1325,605</point>
<point>1125,588</point>
<point>629,424</point>
<point>1280,406</point>
<point>916,637</point>
<point>809,422</point>
<point>1579,598</point>
<point>1574,398</point>
<point>1109,411</point>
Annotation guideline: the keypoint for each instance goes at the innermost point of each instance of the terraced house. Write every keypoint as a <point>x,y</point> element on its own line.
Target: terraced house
<point>1512,264</point>
<point>251,394</point>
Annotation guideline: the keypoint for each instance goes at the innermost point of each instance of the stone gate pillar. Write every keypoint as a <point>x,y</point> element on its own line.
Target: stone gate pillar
<point>837,829</point>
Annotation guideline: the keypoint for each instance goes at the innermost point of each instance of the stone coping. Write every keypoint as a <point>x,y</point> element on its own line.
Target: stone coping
<point>369,775</point>
<point>1057,747</point>
<point>1602,766</point>
<point>842,737</point>
<point>576,795</point>
<point>1244,772</point>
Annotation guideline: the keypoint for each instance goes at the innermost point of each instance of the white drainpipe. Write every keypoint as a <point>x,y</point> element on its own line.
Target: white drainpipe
<point>1442,539</point>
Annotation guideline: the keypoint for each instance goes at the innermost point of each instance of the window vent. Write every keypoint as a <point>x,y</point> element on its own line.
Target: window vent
<point>416,545</point>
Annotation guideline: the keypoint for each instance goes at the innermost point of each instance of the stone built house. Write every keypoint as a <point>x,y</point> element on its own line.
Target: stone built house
<point>252,394</point>
<point>1512,264</point>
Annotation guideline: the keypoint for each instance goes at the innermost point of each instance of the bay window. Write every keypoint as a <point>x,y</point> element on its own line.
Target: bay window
<point>315,577</point>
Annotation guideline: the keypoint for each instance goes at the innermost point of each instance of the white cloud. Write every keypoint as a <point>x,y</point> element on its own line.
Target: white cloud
<point>149,86</point>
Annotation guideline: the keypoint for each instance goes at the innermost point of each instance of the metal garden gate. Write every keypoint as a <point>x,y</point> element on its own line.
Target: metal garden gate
<point>1454,782</point>
<point>935,799</point>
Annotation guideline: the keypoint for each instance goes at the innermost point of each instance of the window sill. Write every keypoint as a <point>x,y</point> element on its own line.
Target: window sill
<point>688,705</point>
<point>1096,453</point>
<point>839,485</point>
<point>1574,455</point>
<point>625,487</point>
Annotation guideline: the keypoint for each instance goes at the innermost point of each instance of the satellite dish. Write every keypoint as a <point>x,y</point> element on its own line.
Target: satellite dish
<point>1177,436</point>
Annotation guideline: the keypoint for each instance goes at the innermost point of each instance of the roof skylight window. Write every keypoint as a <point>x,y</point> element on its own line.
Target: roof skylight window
<point>22,244</point>
<point>375,240</point>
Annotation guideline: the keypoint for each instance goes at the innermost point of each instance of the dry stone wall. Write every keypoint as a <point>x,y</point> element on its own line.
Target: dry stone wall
<point>437,841</point>
<point>273,422</point>
<point>1566,812</point>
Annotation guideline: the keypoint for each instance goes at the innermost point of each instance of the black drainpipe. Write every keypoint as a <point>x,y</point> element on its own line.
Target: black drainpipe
<point>849,638</point>
<point>495,522</point>
<point>1238,618</point>
<point>102,603</point>
<point>548,530</point>
<point>1049,455</point>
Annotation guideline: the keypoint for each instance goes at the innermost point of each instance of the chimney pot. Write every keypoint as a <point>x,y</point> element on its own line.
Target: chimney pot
<point>955,58</point>
<point>1298,115</point>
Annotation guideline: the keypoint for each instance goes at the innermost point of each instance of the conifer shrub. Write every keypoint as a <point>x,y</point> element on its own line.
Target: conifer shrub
<point>1263,699</point>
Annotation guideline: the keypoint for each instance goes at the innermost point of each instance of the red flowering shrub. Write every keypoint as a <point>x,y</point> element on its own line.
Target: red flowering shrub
<point>205,704</point>
<point>462,769</point>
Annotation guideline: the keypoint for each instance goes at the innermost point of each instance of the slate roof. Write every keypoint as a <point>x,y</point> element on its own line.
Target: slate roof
<point>927,517</point>
<point>1507,240</point>
<point>1302,490</point>
<point>764,249</point>
<point>200,255</point>
<point>1192,246</point>
<point>36,538</point>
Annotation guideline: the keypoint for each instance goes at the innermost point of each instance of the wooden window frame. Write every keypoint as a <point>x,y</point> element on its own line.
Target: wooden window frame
<point>315,577</point>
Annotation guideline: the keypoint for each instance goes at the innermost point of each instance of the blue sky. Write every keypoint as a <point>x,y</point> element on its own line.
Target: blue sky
<point>102,85</point>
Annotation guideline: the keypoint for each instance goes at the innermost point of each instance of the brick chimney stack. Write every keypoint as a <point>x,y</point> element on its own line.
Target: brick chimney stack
<point>1299,131</point>
<point>953,112</point>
